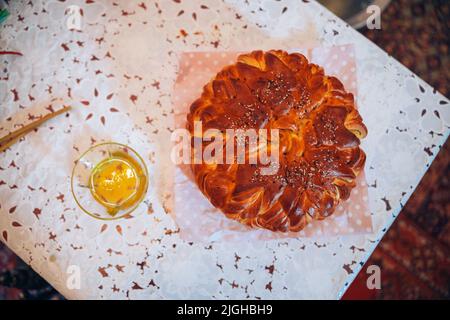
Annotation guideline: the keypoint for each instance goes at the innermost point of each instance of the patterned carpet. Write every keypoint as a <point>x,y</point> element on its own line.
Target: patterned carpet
<point>414,256</point>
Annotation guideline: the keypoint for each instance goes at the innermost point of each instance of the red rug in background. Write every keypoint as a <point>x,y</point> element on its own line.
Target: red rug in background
<point>414,255</point>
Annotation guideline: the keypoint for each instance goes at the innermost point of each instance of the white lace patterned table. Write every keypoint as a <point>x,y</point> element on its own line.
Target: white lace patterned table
<point>117,72</point>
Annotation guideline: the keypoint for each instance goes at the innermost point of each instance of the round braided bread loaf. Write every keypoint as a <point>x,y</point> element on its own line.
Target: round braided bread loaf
<point>319,137</point>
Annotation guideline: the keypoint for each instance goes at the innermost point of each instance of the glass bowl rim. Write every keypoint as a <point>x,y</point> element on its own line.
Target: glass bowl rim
<point>124,215</point>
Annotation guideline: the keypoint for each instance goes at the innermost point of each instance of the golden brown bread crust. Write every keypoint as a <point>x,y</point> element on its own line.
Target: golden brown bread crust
<point>319,140</point>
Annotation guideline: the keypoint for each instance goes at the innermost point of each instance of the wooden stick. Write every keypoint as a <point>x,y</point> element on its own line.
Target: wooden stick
<point>11,52</point>
<point>33,125</point>
<point>11,138</point>
<point>9,143</point>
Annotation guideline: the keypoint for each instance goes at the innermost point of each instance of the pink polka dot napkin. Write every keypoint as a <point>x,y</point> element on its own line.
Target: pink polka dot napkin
<point>197,219</point>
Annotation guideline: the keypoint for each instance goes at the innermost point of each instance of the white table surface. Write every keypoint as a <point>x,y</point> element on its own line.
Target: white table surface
<point>124,58</point>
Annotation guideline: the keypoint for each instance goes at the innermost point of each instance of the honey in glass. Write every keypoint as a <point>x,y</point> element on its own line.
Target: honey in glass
<point>118,182</point>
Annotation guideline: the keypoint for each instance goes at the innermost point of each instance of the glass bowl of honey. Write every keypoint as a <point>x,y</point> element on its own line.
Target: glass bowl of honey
<point>109,181</point>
